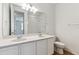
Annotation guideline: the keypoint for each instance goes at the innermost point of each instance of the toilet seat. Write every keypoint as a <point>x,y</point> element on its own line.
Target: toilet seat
<point>59,44</point>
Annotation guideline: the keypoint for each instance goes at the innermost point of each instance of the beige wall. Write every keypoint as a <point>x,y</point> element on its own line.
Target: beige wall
<point>67,25</point>
<point>5,19</point>
<point>0,20</point>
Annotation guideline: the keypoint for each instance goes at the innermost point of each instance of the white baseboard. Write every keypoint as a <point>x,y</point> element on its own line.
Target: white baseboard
<point>71,51</point>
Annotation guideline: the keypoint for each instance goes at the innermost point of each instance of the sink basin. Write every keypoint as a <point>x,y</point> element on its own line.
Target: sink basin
<point>18,40</point>
<point>27,38</point>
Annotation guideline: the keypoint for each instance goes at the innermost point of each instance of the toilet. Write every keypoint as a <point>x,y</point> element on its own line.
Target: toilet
<point>59,46</point>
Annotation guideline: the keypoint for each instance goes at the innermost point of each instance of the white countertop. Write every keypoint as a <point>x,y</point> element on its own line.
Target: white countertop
<point>14,41</point>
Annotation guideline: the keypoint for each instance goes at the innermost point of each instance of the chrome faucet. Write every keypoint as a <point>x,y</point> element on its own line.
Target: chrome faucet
<point>40,34</point>
<point>19,36</point>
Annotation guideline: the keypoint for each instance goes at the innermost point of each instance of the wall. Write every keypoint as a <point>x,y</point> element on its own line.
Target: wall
<point>0,20</point>
<point>67,25</point>
<point>5,19</point>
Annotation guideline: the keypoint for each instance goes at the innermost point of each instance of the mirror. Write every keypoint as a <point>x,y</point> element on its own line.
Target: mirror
<point>23,20</point>
<point>37,22</point>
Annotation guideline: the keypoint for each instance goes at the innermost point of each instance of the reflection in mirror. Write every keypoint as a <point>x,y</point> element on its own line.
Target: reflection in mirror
<point>18,23</point>
<point>37,22</point>
<point>18,20</point>
<point>25,19</point>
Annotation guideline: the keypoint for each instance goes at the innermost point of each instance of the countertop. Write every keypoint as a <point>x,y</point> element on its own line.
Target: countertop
<point>14,41</point>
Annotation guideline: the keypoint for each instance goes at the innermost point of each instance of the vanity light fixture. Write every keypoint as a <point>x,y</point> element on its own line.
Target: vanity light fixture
<point>23,6</point>
<point>29,7</point>
<point>33,9</point>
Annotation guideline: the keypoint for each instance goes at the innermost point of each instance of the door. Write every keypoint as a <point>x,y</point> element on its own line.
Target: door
<point>19,23</point>
<point>42,47</point>
<point>28,48</point>
<point>9,50</point>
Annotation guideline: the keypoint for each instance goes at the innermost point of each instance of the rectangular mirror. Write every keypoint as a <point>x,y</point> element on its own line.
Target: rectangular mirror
<point>19,21</point>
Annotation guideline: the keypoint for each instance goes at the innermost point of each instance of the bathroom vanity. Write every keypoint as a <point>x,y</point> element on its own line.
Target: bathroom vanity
<point>28,45</point>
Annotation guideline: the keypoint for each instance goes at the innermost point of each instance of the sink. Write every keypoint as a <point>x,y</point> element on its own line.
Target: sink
<point>40,35</point>
<point>27,38</point>
<point>18,40</point>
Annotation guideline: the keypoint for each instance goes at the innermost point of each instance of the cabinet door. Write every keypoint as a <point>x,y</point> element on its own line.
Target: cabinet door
<point>42,47</point>
<point>9,50</point>
<point>51,46</point>
<point>28,48</point>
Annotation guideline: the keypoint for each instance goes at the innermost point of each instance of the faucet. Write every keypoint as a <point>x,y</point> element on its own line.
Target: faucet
<point>19,36</point>
<point>40,34</point>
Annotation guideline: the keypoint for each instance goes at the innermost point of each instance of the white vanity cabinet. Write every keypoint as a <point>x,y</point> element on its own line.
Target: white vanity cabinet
<point>51,46</point>
<point>12,50</point>
<point>39,47</point>
<point>28,48</point>
<point>42,47</point>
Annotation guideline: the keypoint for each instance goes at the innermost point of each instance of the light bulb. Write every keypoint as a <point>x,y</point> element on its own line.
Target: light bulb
<point>34,9</point>
<point>28,7</point>
<point>23,6</point>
